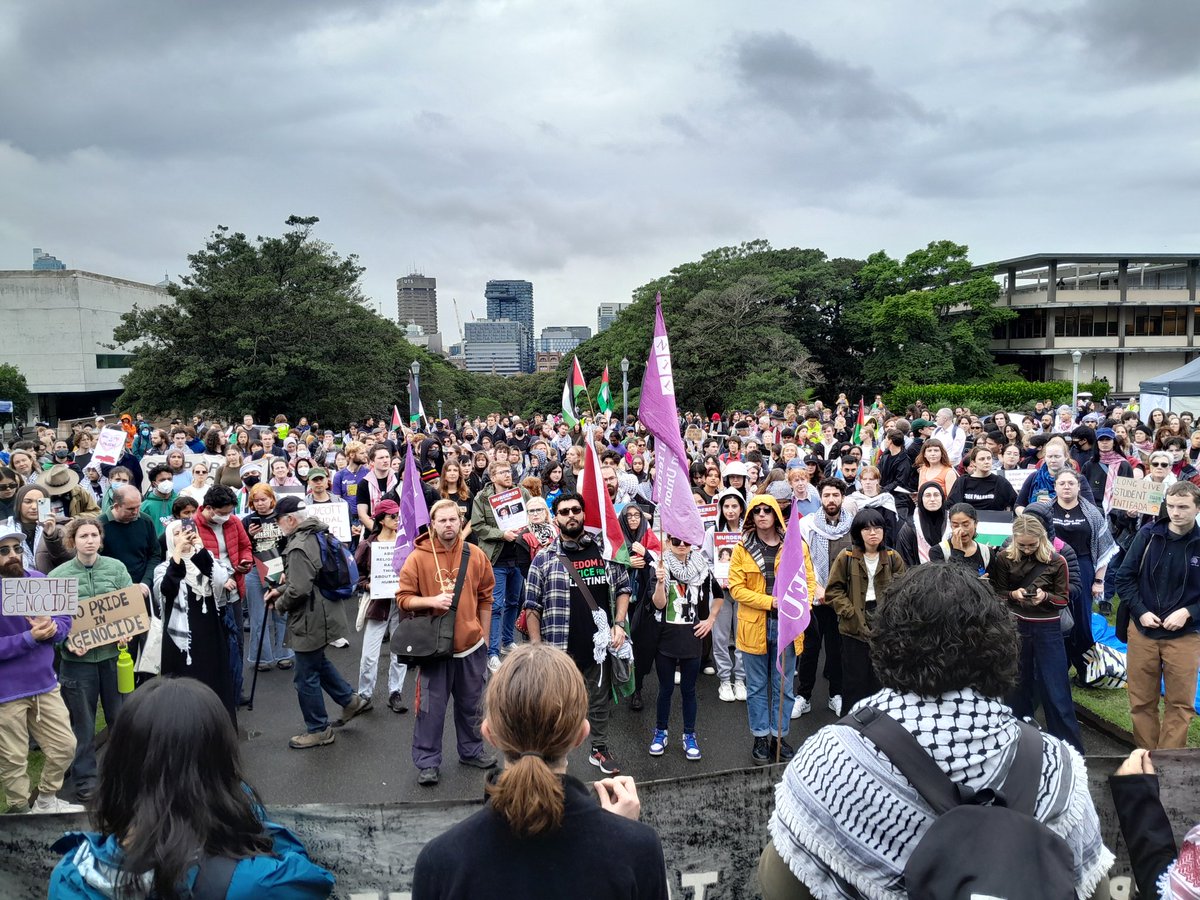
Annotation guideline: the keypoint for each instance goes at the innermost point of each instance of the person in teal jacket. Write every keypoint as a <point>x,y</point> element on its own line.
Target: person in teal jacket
<point>184,800</point>
<point>89,677</point>
<point>160,498</point>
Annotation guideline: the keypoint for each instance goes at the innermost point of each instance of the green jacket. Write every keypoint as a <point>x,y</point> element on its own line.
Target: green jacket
<point>483,522</point>
<point>158,508</point>
<point>312,621</point>
<point>106,576</point>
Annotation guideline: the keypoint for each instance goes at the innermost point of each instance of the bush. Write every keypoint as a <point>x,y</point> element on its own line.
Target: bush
<point>1013,396</point>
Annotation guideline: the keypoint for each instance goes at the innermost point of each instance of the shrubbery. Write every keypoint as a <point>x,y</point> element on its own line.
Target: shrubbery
<point>1014,396</point>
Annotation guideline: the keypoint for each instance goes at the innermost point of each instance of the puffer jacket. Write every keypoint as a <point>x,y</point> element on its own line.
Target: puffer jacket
<point>846,591</point>
<point>313,621</point>
<point>748,587</point>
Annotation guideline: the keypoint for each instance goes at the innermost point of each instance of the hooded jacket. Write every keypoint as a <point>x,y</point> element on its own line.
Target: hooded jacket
<point>1137,580</point>
<point>424,573</point>
<point>27,665</point>
<point>312,620</point>
<point>748,586</point>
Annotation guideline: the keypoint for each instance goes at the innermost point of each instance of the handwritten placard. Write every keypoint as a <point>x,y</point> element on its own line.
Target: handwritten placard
<point>1137,495</point>
<point>108,619</point>
<point>39,596</point>
<point>336,515</point>
<point>1017,478</point>
<point>110,445</point>
<point>385,580</point>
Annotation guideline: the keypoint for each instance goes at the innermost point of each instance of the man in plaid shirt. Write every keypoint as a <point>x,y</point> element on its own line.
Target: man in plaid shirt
<point>558,612</point>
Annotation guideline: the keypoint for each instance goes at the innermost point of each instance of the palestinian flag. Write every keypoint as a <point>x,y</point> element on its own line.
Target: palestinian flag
<point>604,398</point>
<point>395,417</point>
<point>599,514</point>
<point>572,388</point>
<point>856,438</point>
<point>995,527</point>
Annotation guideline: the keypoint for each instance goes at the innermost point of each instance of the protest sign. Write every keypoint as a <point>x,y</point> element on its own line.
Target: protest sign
<point>385,580</point>
<point>108,618</point>
<point>708,515</point>
<point>39,596</point>
<point>723,544</point>
<point>1138,495</point>
<point>509,507</point>
<point>110,444</point>
<point>1017,478</point>
<point>336,515</point>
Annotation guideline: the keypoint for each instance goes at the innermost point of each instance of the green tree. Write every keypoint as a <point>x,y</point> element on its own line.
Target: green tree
<point>14,387</point>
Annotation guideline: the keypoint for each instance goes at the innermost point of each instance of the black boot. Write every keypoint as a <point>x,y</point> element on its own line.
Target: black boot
<point>761,754</point>
<point>635,701</point>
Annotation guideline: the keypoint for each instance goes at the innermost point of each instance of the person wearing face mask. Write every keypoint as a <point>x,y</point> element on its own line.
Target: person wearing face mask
<point>224,537</point>
<point>160,498</point>
<point>251,474</point>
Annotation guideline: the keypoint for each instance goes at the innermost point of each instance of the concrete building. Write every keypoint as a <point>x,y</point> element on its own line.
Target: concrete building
<point>495,346</point>
<point>606,314</point>
<point>415,335</point>
<point>513,300</point>
<point>548,360</point>
<point>416,302</point>
<point>44,262</point>
<point>1131,315</point>
<point>58,324</point>
<point>558,339</point>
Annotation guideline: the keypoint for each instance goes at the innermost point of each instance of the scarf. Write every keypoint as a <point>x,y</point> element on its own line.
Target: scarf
<point>1181,881</point>
<point>1100,543</point>
<point>544,533</point>
<point>930,527</point>
<point>819,550</point>
<point>373,486</point>
<point>1111,462</point>
<point>691,571</point>
<point>845,821</point>
<point>203,577</point>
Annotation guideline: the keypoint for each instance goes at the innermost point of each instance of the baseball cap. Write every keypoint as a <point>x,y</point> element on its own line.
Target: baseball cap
<point>10,529</point>
<point>385,508</point>
<point>918,424</point>
<point>289,505</point>
<point>317,472</point>
<point>1106,433</point>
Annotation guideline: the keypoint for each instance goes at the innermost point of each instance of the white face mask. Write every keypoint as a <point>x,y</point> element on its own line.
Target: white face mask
<point>220,520</point>
<point>165,488</point>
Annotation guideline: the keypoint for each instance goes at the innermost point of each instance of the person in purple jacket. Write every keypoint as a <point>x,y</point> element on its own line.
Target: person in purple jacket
<point>29,699</point>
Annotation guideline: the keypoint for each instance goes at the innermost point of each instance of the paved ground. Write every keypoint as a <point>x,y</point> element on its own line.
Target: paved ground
<point>371,759</point>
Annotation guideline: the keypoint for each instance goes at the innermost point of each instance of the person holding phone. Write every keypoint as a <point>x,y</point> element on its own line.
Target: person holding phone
<point>44,547</point>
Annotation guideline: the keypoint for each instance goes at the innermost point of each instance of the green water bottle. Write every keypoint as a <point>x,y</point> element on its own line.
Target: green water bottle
<point>124,670</point>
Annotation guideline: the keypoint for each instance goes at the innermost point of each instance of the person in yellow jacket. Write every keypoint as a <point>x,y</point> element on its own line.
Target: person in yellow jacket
<point>751,582</point>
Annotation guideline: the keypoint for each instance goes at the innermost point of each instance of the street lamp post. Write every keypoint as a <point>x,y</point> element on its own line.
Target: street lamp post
<point>439,410</point>
<point>416,374</point>
<point>1076,358</point>
<point>625,388</point>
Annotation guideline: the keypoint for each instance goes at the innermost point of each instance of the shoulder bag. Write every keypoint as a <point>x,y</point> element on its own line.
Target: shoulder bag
<point>425,638</point>
<point>621,666</point>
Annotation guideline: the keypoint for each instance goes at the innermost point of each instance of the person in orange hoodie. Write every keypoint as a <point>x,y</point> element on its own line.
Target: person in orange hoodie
<point>130,430</point>
<point>427,581</point>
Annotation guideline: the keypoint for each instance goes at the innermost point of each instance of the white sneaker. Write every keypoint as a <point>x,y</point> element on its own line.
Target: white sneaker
<point>800,707</point>
<point>725,692</point>
<point>493,663</point>
<point>835,704</point>
<point>50,803</point>
<point>678,677</point>
<point>709,670</point>
<point>340,643</point>
<point>739,690</point>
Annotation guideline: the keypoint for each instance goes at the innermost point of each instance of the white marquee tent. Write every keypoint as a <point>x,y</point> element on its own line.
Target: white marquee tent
<point>1173,391</point>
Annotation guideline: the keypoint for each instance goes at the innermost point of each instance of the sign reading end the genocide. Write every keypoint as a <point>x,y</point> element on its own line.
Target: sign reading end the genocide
<point>39,596</point>
<point>108,619</point>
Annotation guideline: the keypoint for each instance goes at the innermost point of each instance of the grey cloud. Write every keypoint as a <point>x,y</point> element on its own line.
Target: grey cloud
<point>793,77</point>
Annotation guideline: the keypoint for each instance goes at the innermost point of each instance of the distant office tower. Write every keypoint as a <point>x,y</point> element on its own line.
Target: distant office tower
<point>416,301</point>
<point>495,346</point>
<point>513,300</point>
<point>563,340</point>
<point>44,262</point>
<point>607,313</point>
<point>547,361</point>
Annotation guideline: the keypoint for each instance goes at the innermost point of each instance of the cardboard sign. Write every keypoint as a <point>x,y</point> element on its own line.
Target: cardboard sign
<point>1138,495</point>
<point>723,544</point>
<point>39,596</point>
<point>110,444</point>
<point>336,515</point>
<point>1017,478</point>
<point>385,580</point>
<point>509,507</point>
<point>108,619</point>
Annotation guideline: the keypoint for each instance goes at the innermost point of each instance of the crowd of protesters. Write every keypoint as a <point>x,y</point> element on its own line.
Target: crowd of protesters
<point>212,521</point>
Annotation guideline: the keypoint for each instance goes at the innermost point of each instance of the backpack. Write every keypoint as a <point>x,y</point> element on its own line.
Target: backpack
<point>970,849</point>
<point>338,575</point>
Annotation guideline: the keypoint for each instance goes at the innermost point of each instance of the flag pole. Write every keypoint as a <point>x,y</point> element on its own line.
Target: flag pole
<point>779,726</point>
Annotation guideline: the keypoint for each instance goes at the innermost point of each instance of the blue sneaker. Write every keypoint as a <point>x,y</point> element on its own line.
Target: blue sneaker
<point>691,749</point>
<point>659,743</point>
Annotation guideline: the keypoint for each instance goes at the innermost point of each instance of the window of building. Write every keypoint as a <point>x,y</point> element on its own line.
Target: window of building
<point>114,361</point>
<point>1029,323</point>
<point>1095,321</point>
<point>1156,321</point>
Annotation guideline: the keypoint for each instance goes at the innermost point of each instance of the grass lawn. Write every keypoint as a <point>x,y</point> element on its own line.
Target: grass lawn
<point>1113,706</point>
<point>37,759</point>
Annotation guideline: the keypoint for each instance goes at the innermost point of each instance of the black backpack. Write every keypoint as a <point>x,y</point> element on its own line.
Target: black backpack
<point>338,575</point>
<point>982,843</point>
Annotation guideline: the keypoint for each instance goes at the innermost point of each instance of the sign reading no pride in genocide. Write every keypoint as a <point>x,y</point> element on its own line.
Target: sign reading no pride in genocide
<point>108,619</point>
<point>39,596</point>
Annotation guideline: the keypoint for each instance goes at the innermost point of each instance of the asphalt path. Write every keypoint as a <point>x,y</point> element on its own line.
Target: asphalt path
<point>371,759</point>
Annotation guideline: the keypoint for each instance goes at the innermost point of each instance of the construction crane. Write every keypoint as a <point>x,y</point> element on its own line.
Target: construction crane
<point>458,321</point>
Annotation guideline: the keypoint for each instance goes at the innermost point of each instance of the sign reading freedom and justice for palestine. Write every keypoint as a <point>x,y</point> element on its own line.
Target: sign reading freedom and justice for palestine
<point>108,619</point>
<point>39,596</point>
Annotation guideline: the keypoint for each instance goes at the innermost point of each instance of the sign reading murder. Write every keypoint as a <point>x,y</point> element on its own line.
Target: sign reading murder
<point>39,596</point>
<point>723,544</point>
<point>385,580</point>
<point>509,507</point>
<point>110,444</point>
<point>1137,495</point>
<point>708,514</point>
<point>108,619</point>
<point>336,515</point>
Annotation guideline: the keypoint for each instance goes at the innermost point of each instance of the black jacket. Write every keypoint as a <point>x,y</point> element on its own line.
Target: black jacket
<point>1145,827</point>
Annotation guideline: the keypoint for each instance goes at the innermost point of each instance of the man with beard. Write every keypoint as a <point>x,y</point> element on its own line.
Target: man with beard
<point>559,612</point>
<point>827,534</point>
<point>30,702</point>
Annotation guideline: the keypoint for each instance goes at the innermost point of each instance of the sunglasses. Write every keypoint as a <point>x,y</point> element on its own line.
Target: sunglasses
<point>1160,465</point>
<point>572,511</point>
<point>676,542</point>
<point>10,550</point>
<point>764,510</point>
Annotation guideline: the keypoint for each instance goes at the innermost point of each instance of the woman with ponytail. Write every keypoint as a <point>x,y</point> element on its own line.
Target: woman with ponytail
<point>542,832</point>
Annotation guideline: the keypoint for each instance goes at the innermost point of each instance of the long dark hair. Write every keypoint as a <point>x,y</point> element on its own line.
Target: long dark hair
<point>171,785</point>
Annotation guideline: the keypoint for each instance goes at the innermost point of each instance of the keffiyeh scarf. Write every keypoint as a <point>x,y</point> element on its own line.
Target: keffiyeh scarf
<point>820,549</point>
<point>203,579</point>
<point>846,822</point>
<point>1181,881</point>
<point>691,572</point>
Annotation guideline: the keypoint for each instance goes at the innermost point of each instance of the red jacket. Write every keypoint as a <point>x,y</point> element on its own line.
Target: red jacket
<point>237,544</point>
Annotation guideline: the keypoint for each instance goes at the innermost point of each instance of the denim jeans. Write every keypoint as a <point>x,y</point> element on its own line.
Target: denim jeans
<point>83,684</point>
<point>762,686</point>
<point>689,669</point>
<point>314,673</point>
<point>272,646</point>
<point>1043,676</point>
<point>506,606</point>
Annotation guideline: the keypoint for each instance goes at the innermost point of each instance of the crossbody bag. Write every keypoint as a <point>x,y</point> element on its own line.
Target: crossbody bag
<point>421,639</point>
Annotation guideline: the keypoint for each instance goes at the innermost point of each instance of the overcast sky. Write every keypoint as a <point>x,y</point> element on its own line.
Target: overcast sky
<point>589,147</point>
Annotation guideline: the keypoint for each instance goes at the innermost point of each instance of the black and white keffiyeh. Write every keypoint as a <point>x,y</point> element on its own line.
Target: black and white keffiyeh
<point>846,820</point>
